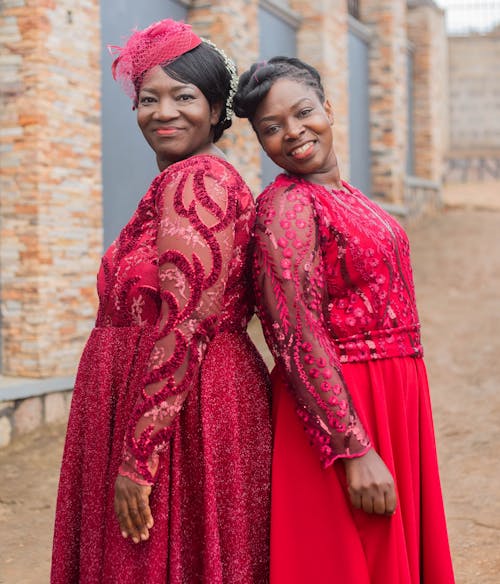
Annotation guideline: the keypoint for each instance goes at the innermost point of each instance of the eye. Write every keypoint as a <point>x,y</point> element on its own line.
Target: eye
<point>270,130</point>
<point>305,112</point>
<point>146,100</point>
<point>185,97</point>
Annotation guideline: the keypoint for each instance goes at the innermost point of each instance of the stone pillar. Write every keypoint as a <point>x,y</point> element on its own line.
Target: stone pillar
<point>50,179</point>
<point>323,43</point>
<point>233,26</point>
<point>426,30</point>
<point>388,96</point>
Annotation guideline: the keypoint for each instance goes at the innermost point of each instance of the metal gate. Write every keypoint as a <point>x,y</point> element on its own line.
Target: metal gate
<point>359,105</point>
<point>128,163</point>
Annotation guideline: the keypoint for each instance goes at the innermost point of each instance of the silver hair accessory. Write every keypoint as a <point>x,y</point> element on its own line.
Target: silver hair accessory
<point>233,86</point>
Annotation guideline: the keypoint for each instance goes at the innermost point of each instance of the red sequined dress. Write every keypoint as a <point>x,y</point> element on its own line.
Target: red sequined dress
<point>171,392</point>
<point>336,299</point>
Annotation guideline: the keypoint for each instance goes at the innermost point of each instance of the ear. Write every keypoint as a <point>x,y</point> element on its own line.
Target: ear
<point>215,111</point>
<point>329,111</point>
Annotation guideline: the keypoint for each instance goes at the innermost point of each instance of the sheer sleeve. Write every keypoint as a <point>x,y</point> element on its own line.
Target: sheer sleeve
<point>194,244</point>
<point>291,302</point>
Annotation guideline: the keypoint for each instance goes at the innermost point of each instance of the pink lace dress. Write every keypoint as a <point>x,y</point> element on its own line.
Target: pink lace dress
<point>171,392</point>
<point>336,299</point>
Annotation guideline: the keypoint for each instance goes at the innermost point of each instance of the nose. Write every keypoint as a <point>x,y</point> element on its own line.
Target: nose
<point>166,109</point>
<point>294,129</point>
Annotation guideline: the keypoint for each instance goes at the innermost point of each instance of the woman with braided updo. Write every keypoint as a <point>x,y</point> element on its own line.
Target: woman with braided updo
<point>166,469</point>
<point>356,496</point>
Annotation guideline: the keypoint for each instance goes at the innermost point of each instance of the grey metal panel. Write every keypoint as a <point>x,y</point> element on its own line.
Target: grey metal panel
<point>276,37</point>
<point>128,163</point>
<point>359,116</point>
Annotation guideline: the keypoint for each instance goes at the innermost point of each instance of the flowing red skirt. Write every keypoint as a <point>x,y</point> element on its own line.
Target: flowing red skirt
<point>317,537</point>
<point>210,502</point>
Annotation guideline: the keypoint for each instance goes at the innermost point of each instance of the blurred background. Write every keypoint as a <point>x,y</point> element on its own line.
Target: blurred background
<point>415,86</point>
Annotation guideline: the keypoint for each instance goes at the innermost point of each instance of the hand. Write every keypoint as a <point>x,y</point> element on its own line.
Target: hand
<point>132,509</point>
<point>370,484</point>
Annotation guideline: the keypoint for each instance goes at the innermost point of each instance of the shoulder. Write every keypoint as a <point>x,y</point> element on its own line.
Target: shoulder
<point>285,197</point>
<point>205,176</point>
<point>209,166</point>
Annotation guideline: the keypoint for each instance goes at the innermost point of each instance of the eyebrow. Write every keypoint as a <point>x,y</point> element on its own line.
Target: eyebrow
<point>179,87</point>
<point>272,117</point>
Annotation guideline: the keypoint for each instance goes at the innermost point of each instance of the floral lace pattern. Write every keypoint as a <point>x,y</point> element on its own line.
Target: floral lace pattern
<point>333,284</point>
<point>178,265</point>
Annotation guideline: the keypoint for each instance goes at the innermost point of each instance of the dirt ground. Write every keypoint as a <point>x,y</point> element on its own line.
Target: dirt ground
<point>456,257</point>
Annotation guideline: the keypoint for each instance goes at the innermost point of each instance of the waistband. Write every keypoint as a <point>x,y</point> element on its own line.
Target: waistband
<point>381,344</point>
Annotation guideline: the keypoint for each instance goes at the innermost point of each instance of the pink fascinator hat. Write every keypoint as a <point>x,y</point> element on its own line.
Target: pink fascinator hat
<point>158,44</point>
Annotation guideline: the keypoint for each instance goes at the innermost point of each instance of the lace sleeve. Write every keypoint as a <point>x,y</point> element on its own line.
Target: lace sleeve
<point>194,241</point>
<point>291,301</point>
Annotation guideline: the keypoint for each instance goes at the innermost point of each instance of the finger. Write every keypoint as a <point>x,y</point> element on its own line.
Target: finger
<point>127,516</point>
<point>355,499</point>
<point>142,508</point>
<point>390,501</point>
<point>136,520</point>
<point>367,503</point>
<point>118,517</point>
<point>379,504</point>
<point>145,509</point>
<point>122,514</point>
<point>140,511</point>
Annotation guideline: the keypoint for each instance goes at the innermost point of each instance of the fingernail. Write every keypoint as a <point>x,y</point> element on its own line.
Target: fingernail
<point>144,536</point>
<point>135,540</point>
<point>124,534</point>
<point>150,524</point>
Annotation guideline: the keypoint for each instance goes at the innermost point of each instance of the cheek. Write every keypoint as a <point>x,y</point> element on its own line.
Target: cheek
<point>141,121</point>
<point>269,144</point>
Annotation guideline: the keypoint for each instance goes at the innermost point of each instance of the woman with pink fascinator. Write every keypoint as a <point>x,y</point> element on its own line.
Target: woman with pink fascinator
<point>166,468</point>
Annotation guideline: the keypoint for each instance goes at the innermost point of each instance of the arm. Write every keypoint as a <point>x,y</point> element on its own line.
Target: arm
<point>291,299</point>
<point>194,243</point>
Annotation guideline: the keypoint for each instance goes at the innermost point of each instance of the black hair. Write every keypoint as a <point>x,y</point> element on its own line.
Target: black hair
<point>255,83</point>
<point>204,67</point>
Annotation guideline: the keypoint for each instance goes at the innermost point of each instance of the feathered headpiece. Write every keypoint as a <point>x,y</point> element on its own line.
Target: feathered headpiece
<point>158,44</point>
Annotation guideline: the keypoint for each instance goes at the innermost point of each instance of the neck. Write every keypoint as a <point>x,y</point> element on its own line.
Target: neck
<point>327,174</point>
<point>211,149</point>
<point>329,178</point>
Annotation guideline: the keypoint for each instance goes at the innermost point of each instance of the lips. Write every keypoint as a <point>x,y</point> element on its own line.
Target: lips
<point>166,131</point>
<point>302,151</point>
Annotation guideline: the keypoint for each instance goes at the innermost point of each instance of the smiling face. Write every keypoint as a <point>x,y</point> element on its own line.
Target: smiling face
<point>175,118</point>
<point>294,128</point>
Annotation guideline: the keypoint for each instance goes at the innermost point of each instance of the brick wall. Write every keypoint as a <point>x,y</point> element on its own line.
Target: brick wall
<point>233,26</point>
<point>472,169</point>
<point>388,95</point>
<point>50,182</point>
<point>475,89</point>
<point>426,31</point>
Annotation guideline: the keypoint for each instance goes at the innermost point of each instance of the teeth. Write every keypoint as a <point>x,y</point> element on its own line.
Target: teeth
<point>301,149</point>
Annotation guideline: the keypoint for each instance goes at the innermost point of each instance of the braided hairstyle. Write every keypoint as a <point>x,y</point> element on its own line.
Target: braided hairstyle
<point>204,67</point>
<point>255,83</point>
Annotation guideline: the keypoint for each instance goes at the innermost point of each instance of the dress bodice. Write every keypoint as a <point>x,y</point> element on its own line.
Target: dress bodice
<point>333,284</point>
<point>366,256</point>
<point>128,282</point>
